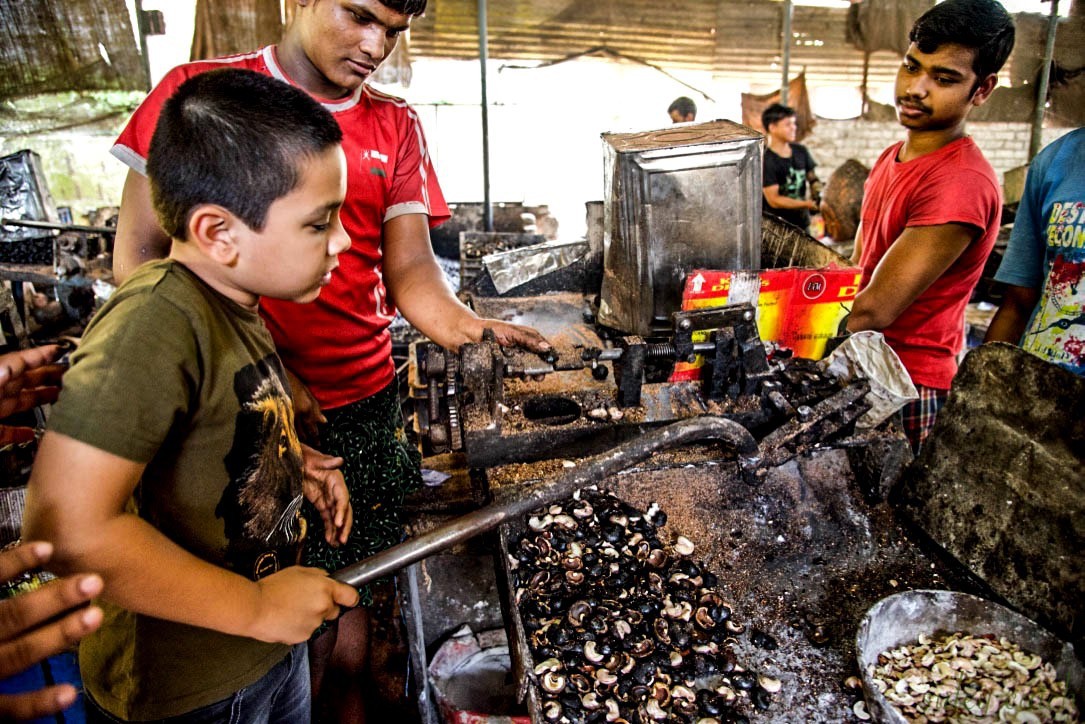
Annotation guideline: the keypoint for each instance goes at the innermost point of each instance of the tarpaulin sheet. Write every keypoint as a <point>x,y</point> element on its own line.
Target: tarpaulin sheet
<point>61,45</point>
<point>227,27</point>
<point>884,24</point>
<point>797,97</point>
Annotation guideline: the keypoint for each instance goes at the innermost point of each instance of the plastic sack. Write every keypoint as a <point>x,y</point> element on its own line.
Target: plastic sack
<point>867,356</point>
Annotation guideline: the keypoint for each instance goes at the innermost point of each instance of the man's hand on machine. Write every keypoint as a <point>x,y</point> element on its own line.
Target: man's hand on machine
<point>516,335</point>
<point>325,488</point>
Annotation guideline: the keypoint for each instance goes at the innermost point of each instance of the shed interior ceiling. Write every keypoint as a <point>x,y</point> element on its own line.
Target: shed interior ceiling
<point>730,39</point>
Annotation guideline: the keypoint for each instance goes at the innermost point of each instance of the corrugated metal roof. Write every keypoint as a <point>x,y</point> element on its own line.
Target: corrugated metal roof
<point>734,39</point>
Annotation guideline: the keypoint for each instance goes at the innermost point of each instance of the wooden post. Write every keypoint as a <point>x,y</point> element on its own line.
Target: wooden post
<point>785,51</point>
<point>1036,139</point>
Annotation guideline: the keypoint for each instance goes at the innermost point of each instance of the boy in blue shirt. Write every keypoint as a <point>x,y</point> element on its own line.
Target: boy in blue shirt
<point>1044,305</point>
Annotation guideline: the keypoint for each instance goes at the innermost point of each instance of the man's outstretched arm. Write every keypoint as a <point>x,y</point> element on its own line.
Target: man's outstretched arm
<point>419,288</point>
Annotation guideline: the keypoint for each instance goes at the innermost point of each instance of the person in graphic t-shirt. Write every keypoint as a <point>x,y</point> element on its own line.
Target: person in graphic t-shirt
<point>1043,309</point>
<point>932,204</point>
<point>338,350</point>
<point>786,169</point>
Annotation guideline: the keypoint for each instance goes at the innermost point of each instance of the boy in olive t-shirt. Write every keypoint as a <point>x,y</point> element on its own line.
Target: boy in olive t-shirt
<point>171,466</point>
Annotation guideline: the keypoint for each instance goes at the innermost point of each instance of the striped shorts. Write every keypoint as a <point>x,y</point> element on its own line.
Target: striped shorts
<point>919,415</point>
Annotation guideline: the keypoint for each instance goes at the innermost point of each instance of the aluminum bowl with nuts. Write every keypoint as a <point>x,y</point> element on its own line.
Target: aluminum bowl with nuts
<point>930,655</point>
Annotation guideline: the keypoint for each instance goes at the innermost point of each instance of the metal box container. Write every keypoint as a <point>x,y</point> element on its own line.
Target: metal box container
<point>677,199</point>
<point>24,196</point>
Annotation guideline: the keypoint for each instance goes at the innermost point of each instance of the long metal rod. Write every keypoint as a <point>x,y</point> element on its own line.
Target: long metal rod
<point>427,709</point>
<point>30,224</point>
<point>1036,139</point>
<point>785,51</point>
<point>586,473</point>
<point>483,57</point>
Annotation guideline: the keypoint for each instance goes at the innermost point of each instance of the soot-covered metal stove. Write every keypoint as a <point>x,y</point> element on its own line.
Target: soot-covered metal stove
<point>678,199</point>
<point>41,246</point>
<point>798,537</point>
<point>499,405</point>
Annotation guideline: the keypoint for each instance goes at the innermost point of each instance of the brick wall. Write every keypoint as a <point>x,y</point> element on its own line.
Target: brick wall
<point>1004,144</point>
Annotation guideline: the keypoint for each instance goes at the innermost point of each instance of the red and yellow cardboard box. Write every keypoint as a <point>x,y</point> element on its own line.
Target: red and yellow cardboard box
<point>800,309</point>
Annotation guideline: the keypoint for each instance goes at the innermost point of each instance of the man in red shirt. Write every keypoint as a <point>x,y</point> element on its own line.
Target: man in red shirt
<point>338,349</point>
<point>932,204</point>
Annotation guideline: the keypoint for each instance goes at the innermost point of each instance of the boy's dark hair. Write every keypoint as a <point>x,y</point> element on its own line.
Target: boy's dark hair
<point>684,106</point>
<point>983,25</point>
<point>774,114</point>
<point>407,7</point>
<point>234,138</point>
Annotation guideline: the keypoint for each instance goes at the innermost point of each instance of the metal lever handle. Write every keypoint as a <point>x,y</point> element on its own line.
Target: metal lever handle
<point>586,473</point>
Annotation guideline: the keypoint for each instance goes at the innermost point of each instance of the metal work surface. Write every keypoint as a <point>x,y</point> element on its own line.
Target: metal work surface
<point>801,555</point>
<point>512,507</point>
<point>501,405</point>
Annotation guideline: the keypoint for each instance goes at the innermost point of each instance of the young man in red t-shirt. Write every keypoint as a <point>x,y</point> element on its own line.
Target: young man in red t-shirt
<point>338,349</point>
<point>932,204</point>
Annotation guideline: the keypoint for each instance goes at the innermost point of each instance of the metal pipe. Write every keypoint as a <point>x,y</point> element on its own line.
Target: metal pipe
<point>426,706</point>
<point>1036,139</point>
<point>865,106</point>
<point>785,51</point>
<point>31,224</point>
<point>612,354</point>
<point>483,57</point>
<point>585,473</point>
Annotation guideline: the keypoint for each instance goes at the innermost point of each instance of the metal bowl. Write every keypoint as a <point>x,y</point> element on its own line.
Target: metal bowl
<point>899,619</point>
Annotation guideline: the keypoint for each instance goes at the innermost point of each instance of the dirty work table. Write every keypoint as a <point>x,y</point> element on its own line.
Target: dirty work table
<point>802,556</point>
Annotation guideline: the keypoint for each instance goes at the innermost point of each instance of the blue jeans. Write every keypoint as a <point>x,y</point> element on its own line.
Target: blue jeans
<point>282,696</point>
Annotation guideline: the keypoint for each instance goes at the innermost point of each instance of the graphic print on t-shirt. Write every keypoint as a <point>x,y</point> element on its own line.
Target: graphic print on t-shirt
<point>260,506</point>
<point>1057,332</point>
<point>794,186</point>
